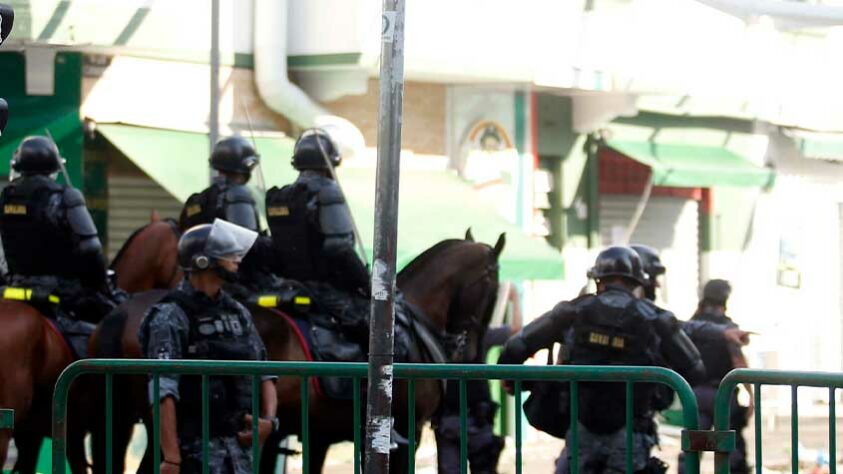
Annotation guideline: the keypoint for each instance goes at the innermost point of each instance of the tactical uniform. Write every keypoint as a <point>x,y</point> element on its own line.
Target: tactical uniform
<point>50,241</point>
<point>313,233</point>
<point>234,203</point>
<point>718,355</point>
<point>484,447</point>
<point>612,327</point>
<point>188,324</point>
<point>706,331</point>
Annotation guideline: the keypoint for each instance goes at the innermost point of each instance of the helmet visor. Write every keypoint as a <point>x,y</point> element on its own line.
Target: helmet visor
<point>229,241</point>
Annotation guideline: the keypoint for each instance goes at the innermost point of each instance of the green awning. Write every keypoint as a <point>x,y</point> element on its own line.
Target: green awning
<point>822,146</point>
<point>694,166</point>
<point>434,205</point>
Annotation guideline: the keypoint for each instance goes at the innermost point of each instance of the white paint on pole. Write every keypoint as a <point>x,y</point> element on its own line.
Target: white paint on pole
<point>388,27</point>
<point>380,286</point>
<point>381,434</point>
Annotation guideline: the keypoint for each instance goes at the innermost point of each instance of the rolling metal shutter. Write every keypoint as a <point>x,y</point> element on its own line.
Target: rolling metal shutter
<point>670,225</point>
<point>131,200</point>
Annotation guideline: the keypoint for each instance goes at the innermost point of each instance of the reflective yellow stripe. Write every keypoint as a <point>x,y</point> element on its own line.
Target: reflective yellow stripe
<point>270,301</point>
<point>18,294</point>
<point>25,294</point>
<point>302,300</point>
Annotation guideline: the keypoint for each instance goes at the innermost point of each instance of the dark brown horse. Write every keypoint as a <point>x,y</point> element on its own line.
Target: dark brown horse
<point>453,283</point>
<point>35,355</point>
<point>148,259</point>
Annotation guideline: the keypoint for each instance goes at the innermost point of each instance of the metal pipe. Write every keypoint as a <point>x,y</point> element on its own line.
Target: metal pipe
<point>379,405</point>
<point>214,115</point>
<point>278,92</point>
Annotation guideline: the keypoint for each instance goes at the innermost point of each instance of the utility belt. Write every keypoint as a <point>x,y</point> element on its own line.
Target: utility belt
<point>29,295</point>
<point>290,301</point>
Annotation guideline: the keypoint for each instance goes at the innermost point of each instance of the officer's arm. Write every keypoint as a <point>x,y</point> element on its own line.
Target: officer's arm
<point>335,222</point>
<point>162,339</point>
<point>240,207</point>
<point>84,231</point>
<point>681,354</point>
<point>541,333</point>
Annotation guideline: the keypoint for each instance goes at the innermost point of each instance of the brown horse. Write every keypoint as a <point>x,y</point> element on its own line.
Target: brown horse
<point>36,354</point>
<point>453,283</point>
<point>148,259</point>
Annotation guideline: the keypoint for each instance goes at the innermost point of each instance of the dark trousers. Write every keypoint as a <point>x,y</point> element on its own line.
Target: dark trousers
<point>484,447</point>
<point>737,421</point>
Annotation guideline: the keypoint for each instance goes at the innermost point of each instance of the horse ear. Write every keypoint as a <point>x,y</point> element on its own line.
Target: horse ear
<point>154,216</point>
<point>468,235</point>
<point>501,243</point>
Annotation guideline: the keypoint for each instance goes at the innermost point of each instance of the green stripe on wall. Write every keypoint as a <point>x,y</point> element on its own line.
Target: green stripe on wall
<point>315,60</point>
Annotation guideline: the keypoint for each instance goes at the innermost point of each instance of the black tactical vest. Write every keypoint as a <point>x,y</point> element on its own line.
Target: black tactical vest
<point>716,353</point>
<point>611,329</point>
<point>32,243</point>
<point>294,232</point>
<point>203,208</point>
<point>217,332</point>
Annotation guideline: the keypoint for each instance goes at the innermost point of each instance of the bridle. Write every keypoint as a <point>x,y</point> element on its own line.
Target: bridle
<point>456,337</point>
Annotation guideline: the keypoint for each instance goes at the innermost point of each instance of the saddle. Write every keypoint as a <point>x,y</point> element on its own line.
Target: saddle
<point>327,338</point>
<point>75,334</point>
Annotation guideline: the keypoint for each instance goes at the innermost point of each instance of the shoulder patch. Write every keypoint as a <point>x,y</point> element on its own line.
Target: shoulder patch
<point>14,210</point>
<point>73,197</point>
<point>649,310</point>
<point>330,194</point>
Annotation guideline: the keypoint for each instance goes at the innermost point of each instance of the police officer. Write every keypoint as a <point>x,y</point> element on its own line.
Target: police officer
<point>313,237</point>
<point>720,357</point>
<point>702,330</point>
<point>311,224</point>
<point>229,198</point>
<point>199,320</point>
<point>612,327</point>
<point>50,241</point>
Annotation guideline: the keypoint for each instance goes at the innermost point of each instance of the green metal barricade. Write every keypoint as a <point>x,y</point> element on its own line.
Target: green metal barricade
<point>758,378</point>
<point>357,372</point>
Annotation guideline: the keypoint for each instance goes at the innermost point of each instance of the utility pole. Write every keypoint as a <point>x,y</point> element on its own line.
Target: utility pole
<point>214,115</point>
<point>381,331</point>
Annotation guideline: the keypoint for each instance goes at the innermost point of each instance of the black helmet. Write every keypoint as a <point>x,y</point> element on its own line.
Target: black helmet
<point>618,261</point>
<point>311,149</point>
<point>717,292</point>
<point>650,261</point>
<point>7,19</point>
<point>4,115</point>
<point>234,155</point>
<point>36,155</point>
<point>201,246</point>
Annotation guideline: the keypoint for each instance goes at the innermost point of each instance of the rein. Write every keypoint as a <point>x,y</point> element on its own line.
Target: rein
<point>456,341</point>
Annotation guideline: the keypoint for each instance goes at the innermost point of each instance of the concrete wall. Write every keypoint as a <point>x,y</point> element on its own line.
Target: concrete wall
<point>800,328</point>
<point>424,116</point>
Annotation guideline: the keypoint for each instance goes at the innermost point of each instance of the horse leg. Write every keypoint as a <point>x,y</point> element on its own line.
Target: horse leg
<point>270,452</point>
<point>318,453</point>
<point>28,444</point>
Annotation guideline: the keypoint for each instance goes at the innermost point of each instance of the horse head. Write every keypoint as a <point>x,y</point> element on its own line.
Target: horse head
<point>456,284</point>
<point>473,300</point>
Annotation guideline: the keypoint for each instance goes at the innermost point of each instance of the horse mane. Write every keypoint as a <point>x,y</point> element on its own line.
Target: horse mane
<point>172,222</point>
<point>422,259</point>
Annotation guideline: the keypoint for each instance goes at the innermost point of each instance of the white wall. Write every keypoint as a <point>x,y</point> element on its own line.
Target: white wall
<point>799,328</point>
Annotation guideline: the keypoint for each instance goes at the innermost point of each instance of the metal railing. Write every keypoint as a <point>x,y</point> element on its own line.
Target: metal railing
<point>357,372</point>
<point>758,378</point>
